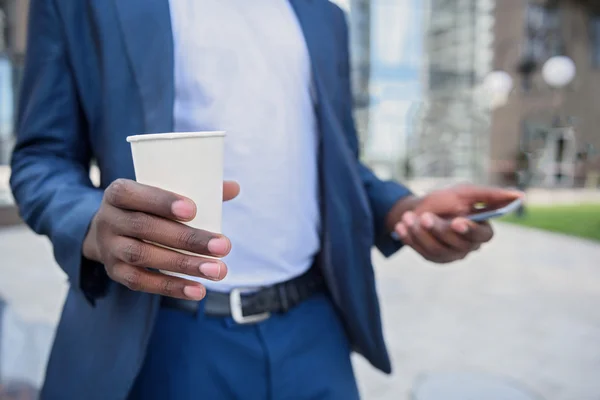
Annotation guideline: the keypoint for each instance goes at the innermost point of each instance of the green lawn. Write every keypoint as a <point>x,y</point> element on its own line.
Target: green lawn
<point>581,220</point>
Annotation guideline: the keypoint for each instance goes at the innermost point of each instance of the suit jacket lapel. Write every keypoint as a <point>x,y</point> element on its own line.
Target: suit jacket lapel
<point>146,29</point>
<point>309,19</point>
<point>148,37</point>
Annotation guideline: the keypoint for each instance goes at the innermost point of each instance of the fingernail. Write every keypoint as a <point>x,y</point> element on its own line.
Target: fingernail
<point>183,209</point>
<point>219,246</point>
<point>194,292</point>
<point>402,231</point>
<point>409,219</point>
<point>211,270</point>
<point>427,220</point>
<point>463,228</point>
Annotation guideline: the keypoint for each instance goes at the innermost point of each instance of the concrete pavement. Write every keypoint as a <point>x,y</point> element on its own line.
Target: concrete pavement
<point>526,308</point>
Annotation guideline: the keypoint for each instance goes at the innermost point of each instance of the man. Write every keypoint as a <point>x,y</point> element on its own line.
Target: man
<point>275,75</point>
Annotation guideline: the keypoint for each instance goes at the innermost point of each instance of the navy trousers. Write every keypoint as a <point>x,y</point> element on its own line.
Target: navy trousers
<point>302,354</point>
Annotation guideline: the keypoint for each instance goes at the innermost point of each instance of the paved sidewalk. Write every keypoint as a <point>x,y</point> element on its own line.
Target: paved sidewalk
<point>525,308</point>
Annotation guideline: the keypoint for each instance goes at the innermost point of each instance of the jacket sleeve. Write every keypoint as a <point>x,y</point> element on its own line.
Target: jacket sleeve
<point>50,163</point>
<point>383,195</point>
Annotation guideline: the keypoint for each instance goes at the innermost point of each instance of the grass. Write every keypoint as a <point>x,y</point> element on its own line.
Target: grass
<point>581,220</point>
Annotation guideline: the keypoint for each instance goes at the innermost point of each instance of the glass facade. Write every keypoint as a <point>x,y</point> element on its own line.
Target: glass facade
<point>421,63</point>
<point>386,47</point>
<point>458,55</point>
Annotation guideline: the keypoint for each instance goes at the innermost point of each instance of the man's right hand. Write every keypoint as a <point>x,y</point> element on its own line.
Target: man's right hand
<point>131,215</point>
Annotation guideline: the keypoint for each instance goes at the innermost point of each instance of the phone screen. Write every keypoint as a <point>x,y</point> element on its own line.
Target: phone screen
<point>499,212</point>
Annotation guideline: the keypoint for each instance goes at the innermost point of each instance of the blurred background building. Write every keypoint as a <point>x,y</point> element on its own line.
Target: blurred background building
<point>542,132</point>
<point>360,51</point>
<point>13,27</point>
<point>554,129</point>
<point>419,76</point>
<point>452,136</point>
<point>386,48</point>
<point>423,108</point>
<point>13,23</point>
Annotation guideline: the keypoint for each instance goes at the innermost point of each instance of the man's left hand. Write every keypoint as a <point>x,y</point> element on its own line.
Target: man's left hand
<point>435,225</point>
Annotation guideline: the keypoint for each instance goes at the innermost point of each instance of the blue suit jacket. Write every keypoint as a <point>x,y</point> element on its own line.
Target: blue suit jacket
<point>97,71</point>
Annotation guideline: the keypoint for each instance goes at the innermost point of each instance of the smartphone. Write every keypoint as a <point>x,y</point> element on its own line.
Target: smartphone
<point>507,209</point>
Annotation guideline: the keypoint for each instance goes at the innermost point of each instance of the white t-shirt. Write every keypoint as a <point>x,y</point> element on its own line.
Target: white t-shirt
<point>243,67</point>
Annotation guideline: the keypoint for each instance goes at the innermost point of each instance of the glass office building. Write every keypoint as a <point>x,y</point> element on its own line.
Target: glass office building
<point>458,55</point>
<point>386,46</point>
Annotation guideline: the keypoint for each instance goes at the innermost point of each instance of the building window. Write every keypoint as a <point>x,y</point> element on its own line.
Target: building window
<point>543,37</point>
<point>450,79</point>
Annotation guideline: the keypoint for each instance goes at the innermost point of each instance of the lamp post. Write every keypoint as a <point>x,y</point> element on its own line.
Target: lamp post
<point>557,72</point>
<point>498,85</point>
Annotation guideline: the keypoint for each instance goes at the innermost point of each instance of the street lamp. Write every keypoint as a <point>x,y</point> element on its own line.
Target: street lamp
<point>558,71</point>
<point>498,85</point>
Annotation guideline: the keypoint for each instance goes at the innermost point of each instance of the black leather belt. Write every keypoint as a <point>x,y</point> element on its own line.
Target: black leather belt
<point>246,305</point>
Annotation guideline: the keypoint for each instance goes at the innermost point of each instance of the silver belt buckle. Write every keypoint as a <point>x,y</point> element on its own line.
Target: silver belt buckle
<point>235,304</point>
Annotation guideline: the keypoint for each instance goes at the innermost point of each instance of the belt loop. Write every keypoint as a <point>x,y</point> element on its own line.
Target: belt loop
<point>283,297</point>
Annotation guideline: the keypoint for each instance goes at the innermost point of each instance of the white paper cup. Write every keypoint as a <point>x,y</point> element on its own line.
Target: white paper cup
<point>186,163</point>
